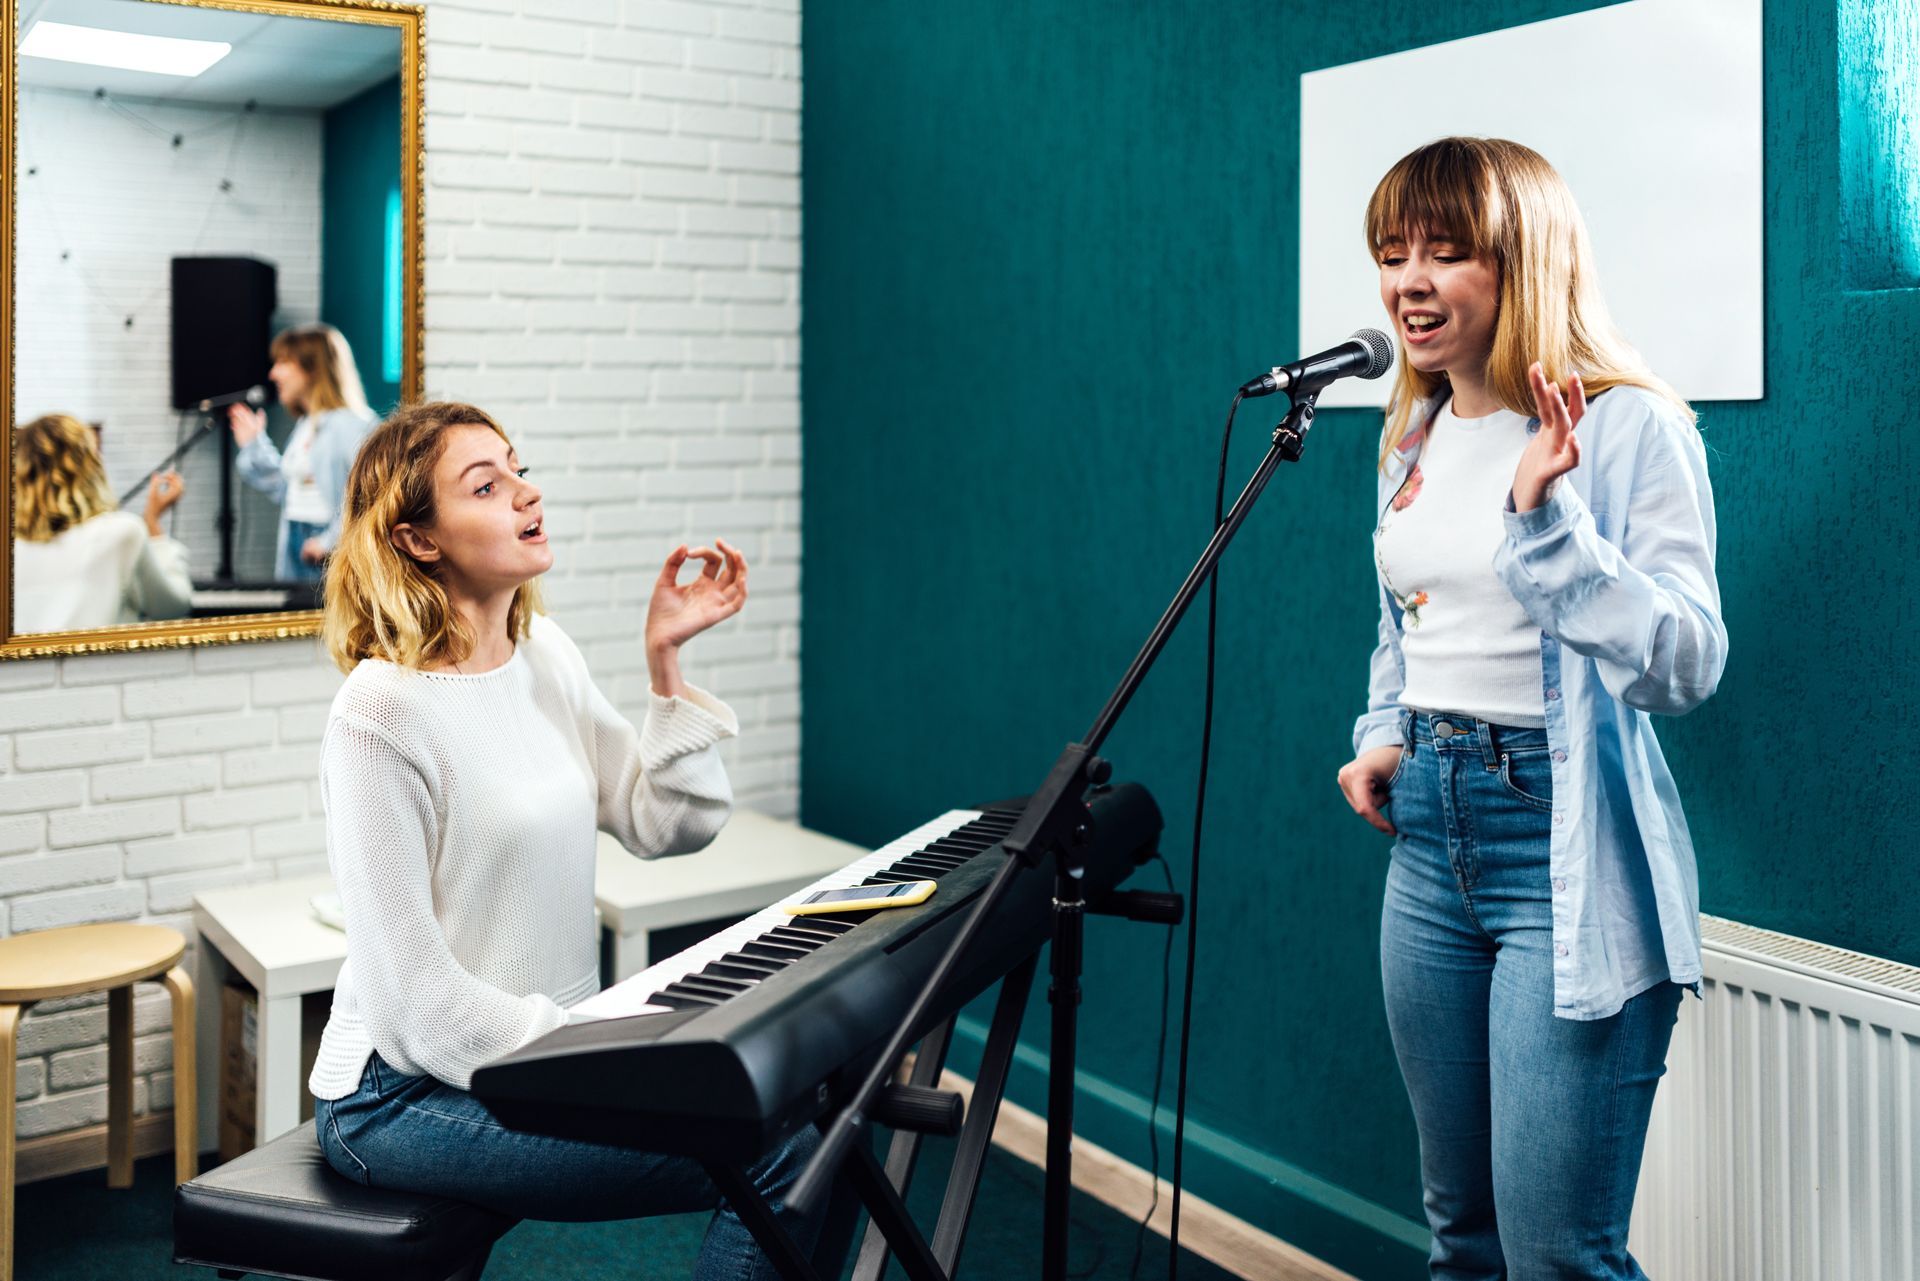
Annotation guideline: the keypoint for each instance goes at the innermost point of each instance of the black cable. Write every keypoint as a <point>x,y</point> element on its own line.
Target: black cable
<point>1193,887</point>
<point>1159,1073</point>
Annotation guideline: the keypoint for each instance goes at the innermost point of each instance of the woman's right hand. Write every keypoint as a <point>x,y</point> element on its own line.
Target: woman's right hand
<point>247,423</point>
<point>163,491</point>
<point>1363,781</point>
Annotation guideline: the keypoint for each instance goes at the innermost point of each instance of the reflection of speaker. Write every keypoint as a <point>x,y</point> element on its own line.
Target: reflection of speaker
<point>222,323</point>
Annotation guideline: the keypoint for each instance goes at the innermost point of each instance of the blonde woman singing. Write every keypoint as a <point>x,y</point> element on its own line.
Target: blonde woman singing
<point>316,379</point>
<point>466,765</point>
<point>1545,552</point>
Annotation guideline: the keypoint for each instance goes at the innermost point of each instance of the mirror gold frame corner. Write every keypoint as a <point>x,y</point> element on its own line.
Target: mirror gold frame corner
<point>409,20</point>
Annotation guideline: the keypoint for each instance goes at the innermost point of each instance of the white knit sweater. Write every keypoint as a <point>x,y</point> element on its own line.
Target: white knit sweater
<point>461,814</point>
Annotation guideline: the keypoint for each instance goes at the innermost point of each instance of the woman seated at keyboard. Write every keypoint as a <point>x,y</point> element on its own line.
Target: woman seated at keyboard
<point>78,560</point>
<point>467,762</point>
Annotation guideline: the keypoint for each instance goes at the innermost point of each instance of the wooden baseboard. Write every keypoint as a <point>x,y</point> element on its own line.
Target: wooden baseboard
<point>1207,1230</point>
<point>77,1150</point>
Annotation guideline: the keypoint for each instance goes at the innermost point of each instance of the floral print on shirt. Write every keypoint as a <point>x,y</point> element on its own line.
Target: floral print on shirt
<point>1402,499</point>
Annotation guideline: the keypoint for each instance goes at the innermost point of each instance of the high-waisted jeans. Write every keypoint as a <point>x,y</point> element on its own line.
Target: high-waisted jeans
<point>422,1135</point>
<point>1531,1126</point>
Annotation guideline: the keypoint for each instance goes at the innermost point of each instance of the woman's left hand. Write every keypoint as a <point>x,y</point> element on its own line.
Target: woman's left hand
<point>1553,451</point>
<point>313,551</point>
<point>679,612</point>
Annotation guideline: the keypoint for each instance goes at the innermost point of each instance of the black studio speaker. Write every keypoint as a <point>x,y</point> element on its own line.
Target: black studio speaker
<point>222,323</point>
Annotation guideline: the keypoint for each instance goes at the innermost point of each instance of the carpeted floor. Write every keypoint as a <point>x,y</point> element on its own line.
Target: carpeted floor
<point>75,1229</point>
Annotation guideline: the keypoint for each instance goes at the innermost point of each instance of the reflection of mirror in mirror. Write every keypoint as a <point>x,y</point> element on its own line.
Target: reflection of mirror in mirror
<point>182,238</point>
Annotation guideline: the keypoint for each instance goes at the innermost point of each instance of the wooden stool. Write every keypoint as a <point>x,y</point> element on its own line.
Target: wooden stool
<point>89,958</point>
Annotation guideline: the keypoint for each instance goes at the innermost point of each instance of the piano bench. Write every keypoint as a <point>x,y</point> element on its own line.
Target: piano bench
<point>282,1211</point>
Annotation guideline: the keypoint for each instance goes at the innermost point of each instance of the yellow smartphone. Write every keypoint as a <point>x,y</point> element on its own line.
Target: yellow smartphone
<point>862,898</point>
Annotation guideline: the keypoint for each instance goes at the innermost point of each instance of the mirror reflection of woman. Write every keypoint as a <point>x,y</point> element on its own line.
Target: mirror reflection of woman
<point>315,377</point>
<point>1545,556</point>
<point>79,561</point>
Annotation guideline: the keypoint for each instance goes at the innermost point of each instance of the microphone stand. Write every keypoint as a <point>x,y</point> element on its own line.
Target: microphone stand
<point>1057,821</point>
<point>225,521</point>
<point>206,425</point>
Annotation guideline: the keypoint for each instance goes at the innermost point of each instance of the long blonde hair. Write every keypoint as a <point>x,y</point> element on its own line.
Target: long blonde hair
<point>380,602</point>
<point>58,478</point>
<point>333,379</point>
<point>1502,200</point>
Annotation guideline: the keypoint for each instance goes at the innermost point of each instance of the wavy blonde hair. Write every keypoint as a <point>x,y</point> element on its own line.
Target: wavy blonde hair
<point>58,478</point>
<point>333,379</point>
<point>380,602</point>
<point>1501,200</point>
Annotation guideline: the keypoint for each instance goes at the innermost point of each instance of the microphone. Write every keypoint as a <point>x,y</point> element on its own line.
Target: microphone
<point>255,396</point>
<point>1368,354</point>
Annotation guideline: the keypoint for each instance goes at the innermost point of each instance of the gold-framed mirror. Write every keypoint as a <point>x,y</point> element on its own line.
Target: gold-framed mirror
<point>211,288</point>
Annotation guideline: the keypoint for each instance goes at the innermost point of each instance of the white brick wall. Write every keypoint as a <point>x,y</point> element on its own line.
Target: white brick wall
<point>612,268</point>
<point>122,203</point>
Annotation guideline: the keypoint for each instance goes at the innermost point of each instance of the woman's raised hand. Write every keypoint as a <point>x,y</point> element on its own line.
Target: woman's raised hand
<point>247,423</point>
<point>680,611</point>
<point>163,491</point>
<point>1363,781</point>
<point>1553,451</point>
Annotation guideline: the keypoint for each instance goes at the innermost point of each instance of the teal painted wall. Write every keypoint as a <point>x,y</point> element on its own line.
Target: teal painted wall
<point>1043,243</point>
<point>361,172</point>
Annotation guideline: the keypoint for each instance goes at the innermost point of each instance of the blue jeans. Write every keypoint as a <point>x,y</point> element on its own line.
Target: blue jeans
<point>1531,1126</point>
<point>291,568</point>
<point>422,1135</point>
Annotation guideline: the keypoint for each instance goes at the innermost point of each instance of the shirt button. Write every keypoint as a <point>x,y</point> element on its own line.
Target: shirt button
<point>1553,696</point>
<point>1559,754</point>
<point>1559,949</point>
<point>1559,818</point>
<point>1559,884</point>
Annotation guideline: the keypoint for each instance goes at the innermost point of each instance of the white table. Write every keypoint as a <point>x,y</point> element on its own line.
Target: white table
<point>754,862</point>
<point>269,936</point>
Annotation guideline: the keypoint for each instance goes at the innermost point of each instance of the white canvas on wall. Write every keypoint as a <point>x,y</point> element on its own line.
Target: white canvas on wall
<point>1651,112</point>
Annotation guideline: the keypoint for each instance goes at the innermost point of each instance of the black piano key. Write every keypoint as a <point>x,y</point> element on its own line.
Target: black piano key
<point>798,938</point>
<point>892,878</point>
<point>773,950</point>
<point>736,971</point>
<point>723,982</point>
<point>765,964</point>
<point>965,849</point>
<point>682,1001</point>
<point>693,985</point>
<point>934,866</point>
<point>920,869</point>
<point>825,933</point>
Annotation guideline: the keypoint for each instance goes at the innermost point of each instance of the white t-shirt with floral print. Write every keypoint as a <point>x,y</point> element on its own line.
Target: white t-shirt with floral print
<point>1468,644</point>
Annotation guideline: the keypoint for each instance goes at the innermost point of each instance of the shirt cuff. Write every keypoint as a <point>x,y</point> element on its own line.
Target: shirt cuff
<point>1563,503</point>
<point>676,726</point>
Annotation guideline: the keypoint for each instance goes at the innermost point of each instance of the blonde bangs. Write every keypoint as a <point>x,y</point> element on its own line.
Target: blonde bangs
<point>1441,191</point>
<point>1503,201</point>
<point>379,602</point>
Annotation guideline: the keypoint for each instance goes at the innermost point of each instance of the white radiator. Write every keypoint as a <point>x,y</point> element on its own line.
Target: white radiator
<point>1786,1133</point>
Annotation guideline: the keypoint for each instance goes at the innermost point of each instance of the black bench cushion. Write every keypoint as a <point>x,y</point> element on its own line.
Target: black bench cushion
<point>281,1211</point>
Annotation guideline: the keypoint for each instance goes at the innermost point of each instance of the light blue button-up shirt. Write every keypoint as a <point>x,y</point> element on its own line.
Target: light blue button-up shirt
<point>1616,569</point>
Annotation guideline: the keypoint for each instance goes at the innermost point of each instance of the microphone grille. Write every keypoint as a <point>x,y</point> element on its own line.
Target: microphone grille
<point>1379,350</point>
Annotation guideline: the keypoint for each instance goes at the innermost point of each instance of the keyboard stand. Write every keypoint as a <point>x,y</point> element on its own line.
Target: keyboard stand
<point>882,1189</point>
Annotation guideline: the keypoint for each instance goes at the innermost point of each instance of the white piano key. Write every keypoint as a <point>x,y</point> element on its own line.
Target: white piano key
<point>631,996</point>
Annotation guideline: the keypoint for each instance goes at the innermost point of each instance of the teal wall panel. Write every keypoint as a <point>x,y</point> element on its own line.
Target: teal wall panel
<point>360,185</point>
<point>1043,243</point>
